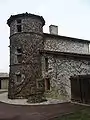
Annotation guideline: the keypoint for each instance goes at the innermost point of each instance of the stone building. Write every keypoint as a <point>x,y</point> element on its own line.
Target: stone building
<point>4,78</point>
<point>41,63</point>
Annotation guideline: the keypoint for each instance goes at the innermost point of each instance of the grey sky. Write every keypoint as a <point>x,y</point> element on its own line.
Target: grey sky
<point>72,17</point>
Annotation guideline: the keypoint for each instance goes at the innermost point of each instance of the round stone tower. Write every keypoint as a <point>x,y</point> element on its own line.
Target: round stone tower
<point>26,39</point>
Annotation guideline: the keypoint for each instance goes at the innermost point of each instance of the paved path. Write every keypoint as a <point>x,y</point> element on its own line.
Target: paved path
<point>4,98</point>
<point>39,112</point>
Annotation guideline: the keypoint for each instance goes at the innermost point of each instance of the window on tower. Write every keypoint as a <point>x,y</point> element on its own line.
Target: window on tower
<point>19,25</point>
<point>19,21</point>
<point>18,54</point>
<point>18,76</point>
<point>19,50</point>
<point>19,59</point>
<point>19,28</point>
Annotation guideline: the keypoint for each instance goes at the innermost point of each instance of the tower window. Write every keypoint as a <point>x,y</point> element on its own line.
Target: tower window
<point>19,58</point>
<point>19,29</point>
<point>19,26</point>
<point>19,50</point>
<point>18,54</point>
<point>19,78</point>
<point>19,21</point>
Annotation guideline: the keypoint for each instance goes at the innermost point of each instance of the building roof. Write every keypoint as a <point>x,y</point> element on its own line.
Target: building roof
<point>66,54</point>
<point>13,17</point>
<point>3,75</point>
<point>65,37</point>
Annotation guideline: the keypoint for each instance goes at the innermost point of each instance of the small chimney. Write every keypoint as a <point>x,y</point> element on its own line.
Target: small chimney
<point>53,29</point>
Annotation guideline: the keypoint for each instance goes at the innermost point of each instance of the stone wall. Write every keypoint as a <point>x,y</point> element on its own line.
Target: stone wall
<point>26,79</point>
<point>60,69</point>
<point>28,25</point>
<point>28,43</point>
<point>25,59</point>
<point>65,44</point>
<point>29,66</point>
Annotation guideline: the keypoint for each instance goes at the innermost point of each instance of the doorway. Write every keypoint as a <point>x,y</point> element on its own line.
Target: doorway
<point>80,88</point>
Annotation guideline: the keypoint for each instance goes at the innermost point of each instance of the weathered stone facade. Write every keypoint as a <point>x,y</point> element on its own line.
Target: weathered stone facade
<point>60,68</point>
<point>29,48</point>
<point>65,44</point>
<point>25,59</point>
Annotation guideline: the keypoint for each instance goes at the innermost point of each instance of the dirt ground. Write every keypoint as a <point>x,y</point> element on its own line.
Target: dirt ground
<point>38,112</point>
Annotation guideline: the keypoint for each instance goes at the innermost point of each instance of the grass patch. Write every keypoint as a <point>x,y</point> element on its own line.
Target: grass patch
<point>79,115</point>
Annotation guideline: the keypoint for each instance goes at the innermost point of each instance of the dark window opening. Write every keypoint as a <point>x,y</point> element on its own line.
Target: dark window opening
<point>19,54</point>
<point>19,78</point>
<point>47,84</point>
<point>19,58</point>
<point>19,29</point>
<point>19,21</point>
<point>19,50</point>
<point>46,64</point>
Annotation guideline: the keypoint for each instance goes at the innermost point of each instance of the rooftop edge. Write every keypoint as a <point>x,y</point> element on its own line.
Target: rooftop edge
<point>13,17</point>
<point>66,37</point>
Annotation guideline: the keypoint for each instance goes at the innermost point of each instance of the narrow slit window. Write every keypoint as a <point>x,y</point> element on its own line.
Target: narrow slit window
<point>46,64</point>
<point>19,50</point>
<point>19,78</point>
<point>19,54</point>
<point>19,21</point>
<point>19,29</point>
<point>19,58</point>
<point>47,84</point>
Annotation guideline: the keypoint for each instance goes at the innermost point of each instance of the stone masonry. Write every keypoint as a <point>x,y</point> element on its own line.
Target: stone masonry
<point>41,63</point>
<point>26,38</point>
<point>61,67</point>
<point>65,44</point>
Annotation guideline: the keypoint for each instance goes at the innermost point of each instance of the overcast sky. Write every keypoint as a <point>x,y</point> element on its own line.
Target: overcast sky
<point>72,17</point>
